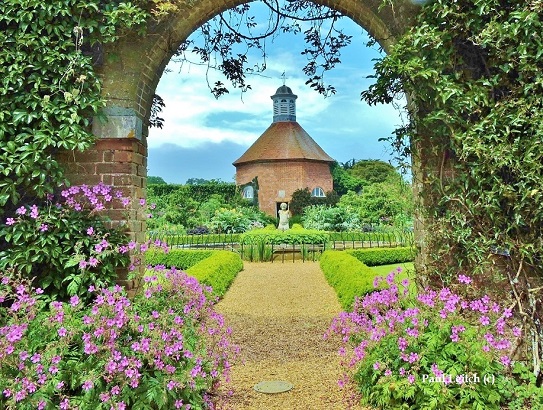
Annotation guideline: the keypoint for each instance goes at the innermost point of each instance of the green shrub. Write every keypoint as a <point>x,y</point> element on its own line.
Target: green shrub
<point>347,275</point>
<point>180,258</point>
<point>217,271</point>
<point>328,218</point>
<point>63,245</point>
<point>383,256</point>
<point>165,346</point>
<point>427,350</point>
<point>291,236</point>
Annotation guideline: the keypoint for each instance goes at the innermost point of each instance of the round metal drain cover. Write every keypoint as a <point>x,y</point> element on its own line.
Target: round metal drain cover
<point>273,386</point>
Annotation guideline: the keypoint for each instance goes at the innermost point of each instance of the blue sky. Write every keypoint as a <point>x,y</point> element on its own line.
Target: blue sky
<point>202,136</point>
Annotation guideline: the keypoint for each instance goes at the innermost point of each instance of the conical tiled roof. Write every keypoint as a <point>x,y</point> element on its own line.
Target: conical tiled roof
<point>284,140</point>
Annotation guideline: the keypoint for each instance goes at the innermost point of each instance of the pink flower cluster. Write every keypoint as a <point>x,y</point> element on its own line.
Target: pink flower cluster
<point>115,345</point>
<point>384,313</point>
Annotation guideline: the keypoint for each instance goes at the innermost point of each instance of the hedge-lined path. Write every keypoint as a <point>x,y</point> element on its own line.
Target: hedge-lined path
<point>279,313</point>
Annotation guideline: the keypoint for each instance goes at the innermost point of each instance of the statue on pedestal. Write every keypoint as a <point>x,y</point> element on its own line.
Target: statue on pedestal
<point>284,216</point>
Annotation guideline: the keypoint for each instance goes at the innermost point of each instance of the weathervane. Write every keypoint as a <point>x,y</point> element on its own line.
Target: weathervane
<point>284,77</point>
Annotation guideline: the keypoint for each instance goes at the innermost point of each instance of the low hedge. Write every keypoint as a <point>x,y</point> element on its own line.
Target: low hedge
<point>383,256</point>
<point>213,268</point>
<point>347,275</point>
<point>217,271</point>
<point>180,258</point>
<point>290,237</point>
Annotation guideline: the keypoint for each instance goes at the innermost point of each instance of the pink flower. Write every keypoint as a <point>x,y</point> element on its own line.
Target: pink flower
<point>62,332</point>
<point>21,211</point>
<point>34,212</point>
<point>10,221</point>
<point>484,320</point>
<point>90,230</point>
<point>87,385</point>
<point>142,201</point>
<point>44,227</point>
<point>411,379</point>
<point>506,361</point>
<point>376,365</point>
<point>464,279</point>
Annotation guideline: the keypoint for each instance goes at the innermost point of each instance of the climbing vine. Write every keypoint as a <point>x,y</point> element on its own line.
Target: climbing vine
<point>49,91</point>
<point>474,75</point>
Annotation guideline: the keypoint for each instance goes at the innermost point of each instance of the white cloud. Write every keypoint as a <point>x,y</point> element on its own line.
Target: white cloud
<point>189,106</point>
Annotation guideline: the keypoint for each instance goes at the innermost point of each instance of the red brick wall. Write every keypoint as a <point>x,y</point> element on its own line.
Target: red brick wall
<point>121,163</point>
<point>284,175</point>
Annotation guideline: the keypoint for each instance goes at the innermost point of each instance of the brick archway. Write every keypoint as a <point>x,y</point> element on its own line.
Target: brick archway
<point>132,68</point>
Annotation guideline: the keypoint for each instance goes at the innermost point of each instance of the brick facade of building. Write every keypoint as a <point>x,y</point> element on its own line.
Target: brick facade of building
<point>278,180</point>
<point>284,158</point>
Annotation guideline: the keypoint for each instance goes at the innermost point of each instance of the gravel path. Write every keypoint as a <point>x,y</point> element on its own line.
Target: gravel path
<point>279,313</point>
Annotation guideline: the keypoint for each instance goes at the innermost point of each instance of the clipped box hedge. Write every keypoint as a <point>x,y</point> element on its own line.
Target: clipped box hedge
<point>180,258</point>
<point>347,275</point>
<point>217,271</point>
<point>383,256</point>
<point>290,237</point>
<point>213,268</point>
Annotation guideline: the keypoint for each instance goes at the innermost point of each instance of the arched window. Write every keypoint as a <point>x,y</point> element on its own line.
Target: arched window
<point>248,192</point>
<point>318,192</point>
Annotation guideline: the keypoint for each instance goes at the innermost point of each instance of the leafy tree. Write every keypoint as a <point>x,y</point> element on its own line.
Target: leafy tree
<point>224,41</point>
<point>474,75</point>
<point>344,181</point>
<point>301,198</point>
<point>197,181</point>
<point>155,180</point>
<point>373,171</point>
<point>157,106</point>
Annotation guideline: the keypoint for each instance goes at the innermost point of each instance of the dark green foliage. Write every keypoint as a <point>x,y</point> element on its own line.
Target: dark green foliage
<point>52,257</point>
<point>49,92</point>
<point>217,271</point>
<point>383,256</point>
<point>475,75</point>
<point>151,180</point>
<point>197,192</point>
<point>301,198</point>
<point>179,258</point>
<point>347,275</point>
<point>473,72</point>
<point>344,181</point>
<point>373,171</point>
<point>291,236</point>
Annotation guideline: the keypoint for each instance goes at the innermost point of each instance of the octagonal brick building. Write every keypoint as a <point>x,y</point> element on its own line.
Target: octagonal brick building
<point>283,159</point>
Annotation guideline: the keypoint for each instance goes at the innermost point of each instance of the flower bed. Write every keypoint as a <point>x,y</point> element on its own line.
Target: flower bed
<point>437,350</point>
<point>165,349</point>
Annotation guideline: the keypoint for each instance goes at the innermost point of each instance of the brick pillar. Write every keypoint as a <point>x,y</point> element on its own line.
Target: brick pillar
<point>121,163</point>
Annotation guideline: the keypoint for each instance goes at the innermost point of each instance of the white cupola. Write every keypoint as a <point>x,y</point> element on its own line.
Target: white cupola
<point>284,104</point>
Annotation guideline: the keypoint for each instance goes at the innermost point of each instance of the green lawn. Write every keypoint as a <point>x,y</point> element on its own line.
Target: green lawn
<point>408,269</point>
<point>408,272</point>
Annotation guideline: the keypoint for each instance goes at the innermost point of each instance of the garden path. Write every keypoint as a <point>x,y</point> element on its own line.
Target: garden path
<point>279,313</point>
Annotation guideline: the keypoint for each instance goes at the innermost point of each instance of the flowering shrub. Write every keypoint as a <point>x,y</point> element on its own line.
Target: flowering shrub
<point>434,351</point>
<point>63,245</point>
<point>325,218</point>
<point>165,349</point>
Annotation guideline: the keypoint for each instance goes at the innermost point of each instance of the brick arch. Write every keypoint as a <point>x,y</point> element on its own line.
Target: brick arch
<point>384,24</point>
<point>131,69</point>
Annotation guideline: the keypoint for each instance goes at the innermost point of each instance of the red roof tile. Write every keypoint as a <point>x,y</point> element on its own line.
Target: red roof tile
<point>284,140</point>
